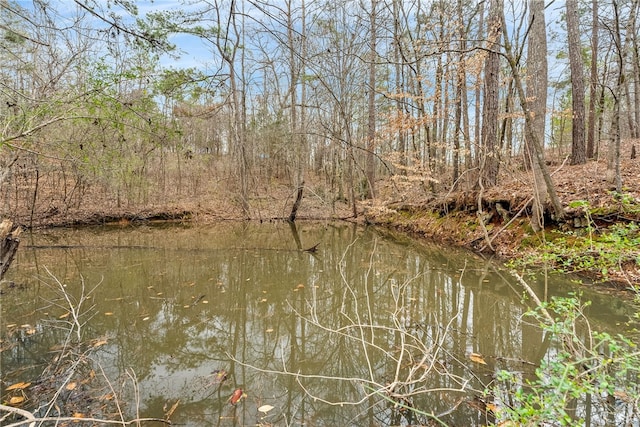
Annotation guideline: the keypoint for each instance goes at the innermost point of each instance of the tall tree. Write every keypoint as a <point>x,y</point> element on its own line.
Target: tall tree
<point>537,96</point>
<point>370,170</point>
<point>613,158</point>
<point>578,146</point>
<point>227,37</point>
<point>532,136</point>
<point>593,82</point>
<point>490,107</point>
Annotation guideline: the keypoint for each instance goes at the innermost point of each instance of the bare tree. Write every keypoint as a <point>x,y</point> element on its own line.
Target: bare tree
<point>370,167</point>
<point>613,158</point>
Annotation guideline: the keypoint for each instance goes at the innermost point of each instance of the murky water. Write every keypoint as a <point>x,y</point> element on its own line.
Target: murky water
<point>167,312</point>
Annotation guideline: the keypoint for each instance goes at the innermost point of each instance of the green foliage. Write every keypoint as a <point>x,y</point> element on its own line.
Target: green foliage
<point>602,251</point>
<point>590,372</point>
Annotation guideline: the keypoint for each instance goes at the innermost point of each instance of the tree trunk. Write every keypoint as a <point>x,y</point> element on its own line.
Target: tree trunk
<point>529,130</point>
<point>613,159</point>
<point>296,203</point>
<point>9,242</point>
<point>537,96</point>
<point>371,121</point>
<point>578,148</point>
<point>490,107</point>
<point>593,82</point>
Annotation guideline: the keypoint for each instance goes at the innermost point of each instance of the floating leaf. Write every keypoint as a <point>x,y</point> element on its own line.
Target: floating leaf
<point>219,375</point>
<point>236,396</point>
<point>78,415</point>
<point>300,286</point>
<point>265,408</point>
<point>475,357</point>
<point>17,386</point>
<point>99,343</point>
<point>16,400</point>
<point>72,385</point>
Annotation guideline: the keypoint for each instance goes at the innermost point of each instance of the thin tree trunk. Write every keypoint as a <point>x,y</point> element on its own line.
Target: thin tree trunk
<point>399,83</point>
<point>371,120</point>
<point>593,83</point>
<point>478,87</point>
<point>529,129</point>
<point>613,160</point>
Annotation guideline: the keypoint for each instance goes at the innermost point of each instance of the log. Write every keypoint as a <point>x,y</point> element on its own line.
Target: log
<point>9,242</point>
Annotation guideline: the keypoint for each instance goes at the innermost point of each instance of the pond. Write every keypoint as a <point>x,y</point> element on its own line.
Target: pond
<point>170,320</point>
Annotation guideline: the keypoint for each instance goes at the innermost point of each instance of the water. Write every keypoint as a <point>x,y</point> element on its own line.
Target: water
<point>328,338</point>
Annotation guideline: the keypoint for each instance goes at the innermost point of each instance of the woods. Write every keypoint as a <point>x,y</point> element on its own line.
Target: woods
<point>128,105</point>
<point>505,126</point>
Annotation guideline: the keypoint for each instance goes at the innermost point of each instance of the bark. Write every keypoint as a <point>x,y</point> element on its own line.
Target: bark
<point>477,107</point>
<point>490,107</point>
<point>613,159</point>
<point>9,242</point>
<point>593,82</point>
<point>531,134</point>
<point>578,146</point>
<point>296,203</point>
<point>537,96</point>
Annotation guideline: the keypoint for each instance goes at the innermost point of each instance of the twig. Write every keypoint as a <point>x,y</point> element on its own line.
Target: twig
<point>533,296</point>
<point>85,420</point>
<point>28,415</point>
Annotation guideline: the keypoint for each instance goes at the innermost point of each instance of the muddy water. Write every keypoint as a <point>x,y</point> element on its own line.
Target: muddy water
<point>173,319</point>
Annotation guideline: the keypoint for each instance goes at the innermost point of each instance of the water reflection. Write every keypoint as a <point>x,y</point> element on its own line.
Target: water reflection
<point>367,318</point>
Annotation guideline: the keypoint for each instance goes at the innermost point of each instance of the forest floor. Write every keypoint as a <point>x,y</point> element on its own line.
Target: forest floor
<point>500,228</point>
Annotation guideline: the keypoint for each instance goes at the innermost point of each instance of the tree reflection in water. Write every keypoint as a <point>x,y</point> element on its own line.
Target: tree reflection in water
<point>368,330</point>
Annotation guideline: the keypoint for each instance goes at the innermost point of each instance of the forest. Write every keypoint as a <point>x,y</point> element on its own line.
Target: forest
<point>507,126</point>
<point>379,100</point>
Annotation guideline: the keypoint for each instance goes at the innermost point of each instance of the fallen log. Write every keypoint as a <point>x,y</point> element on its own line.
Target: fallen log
<point>9,242</point>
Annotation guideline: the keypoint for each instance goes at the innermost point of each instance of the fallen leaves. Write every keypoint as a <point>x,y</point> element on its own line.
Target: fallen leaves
<point>237,395</point>
<point>265,408</point>
<point>17,386</point>
<point>477,358</point>
<point>16,400</point>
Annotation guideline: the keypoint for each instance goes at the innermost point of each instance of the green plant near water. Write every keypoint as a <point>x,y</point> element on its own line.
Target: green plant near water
<point>590,249</point>
<point>593,378</point>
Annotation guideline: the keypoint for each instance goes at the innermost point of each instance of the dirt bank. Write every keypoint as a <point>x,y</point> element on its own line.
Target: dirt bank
<point>500,226</point>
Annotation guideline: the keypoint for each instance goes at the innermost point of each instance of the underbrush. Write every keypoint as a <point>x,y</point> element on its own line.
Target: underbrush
<point>609,253</point>
<point>594,379</point>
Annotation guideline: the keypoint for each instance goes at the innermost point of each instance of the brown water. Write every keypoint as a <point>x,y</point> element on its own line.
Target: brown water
<point>316,336</point>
